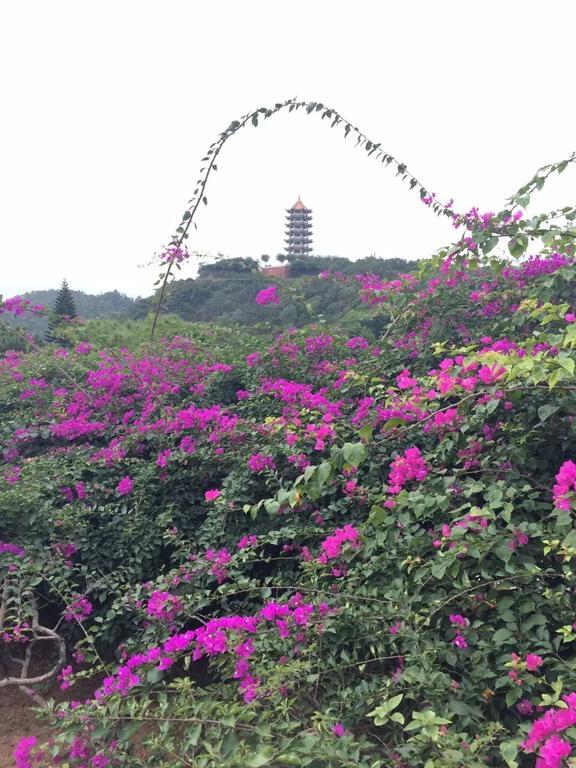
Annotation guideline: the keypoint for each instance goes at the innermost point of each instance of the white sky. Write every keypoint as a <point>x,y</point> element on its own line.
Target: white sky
<point>108,106</point>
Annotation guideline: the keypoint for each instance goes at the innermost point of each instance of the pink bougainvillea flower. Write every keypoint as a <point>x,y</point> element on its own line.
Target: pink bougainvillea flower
<point>332,546</point>
<point>247,541</point>
<point>164,606</point>
<point>457,620</point>
<point>460,641</point>
<point>268,296</point>
<point>125,486</point>
<point>533,662</point>
<point>79,609</point>
<point>23,752</point>
<point>212,495</point>
<point>553,752</point>
<point>259,461</point>
<point>565,485</point>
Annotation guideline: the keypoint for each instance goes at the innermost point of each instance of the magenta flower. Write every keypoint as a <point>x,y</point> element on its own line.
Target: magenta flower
<point>163,456</point>
<point>84,348</point>
<point>357,342</point>
<point>259,461</point>
<point>125,486</point>
<point>460,641</point>
<point>332,546</point>
<point>173,255</point>
<point>410,466</point>
<point>247,541</point>
<point>78,610</point>
<point>268,296</point>
<point>164,606</point>
<point>23,753</point>
<point>64,678</point>
<point>553,752</point>
<point>12,475</point>
<point>533,662</point>
<point>525,707</point>
<point>338,730</point>
<point>565,485</point>
<point>11,549</point>
<point>212,495</point>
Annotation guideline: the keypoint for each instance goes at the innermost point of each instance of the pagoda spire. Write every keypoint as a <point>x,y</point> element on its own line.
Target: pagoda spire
<point>298,229</point>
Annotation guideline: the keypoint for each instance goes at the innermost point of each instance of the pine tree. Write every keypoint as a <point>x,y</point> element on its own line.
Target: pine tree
<point>64,309</point>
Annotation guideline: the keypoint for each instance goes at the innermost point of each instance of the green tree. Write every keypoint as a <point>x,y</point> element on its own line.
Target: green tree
<point>64,309</point>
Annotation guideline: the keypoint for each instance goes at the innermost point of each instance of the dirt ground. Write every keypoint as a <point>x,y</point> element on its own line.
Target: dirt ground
<point>18,718</point>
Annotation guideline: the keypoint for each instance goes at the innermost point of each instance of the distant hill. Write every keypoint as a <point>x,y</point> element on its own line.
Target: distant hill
<point>224,291</point>
<point>89,306</point>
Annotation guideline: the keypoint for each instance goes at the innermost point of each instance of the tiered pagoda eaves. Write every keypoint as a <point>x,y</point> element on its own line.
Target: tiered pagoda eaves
<point>298,229</point>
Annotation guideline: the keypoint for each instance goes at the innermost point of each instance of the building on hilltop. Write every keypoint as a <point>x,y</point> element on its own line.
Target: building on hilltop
<point>280,270</point>
<point>298,229</point>
<point>298,238</point>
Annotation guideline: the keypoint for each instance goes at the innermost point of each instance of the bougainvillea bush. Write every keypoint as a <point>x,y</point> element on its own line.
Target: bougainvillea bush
<point>316,549</point>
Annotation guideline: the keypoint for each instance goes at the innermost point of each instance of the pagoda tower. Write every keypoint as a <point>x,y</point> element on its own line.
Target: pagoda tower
<point>298,229</point>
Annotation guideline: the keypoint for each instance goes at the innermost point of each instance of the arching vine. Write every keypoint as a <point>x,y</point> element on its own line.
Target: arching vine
<point>174,254</point>
<point>374,149</point>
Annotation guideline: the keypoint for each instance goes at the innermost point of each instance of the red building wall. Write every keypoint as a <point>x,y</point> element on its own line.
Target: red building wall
<point>282,271</point>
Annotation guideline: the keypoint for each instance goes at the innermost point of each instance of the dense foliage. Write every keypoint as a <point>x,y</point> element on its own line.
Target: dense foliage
<point>88,306</point>
<point>319,549</point>
<point>224,292</point>
<point>63,311</point>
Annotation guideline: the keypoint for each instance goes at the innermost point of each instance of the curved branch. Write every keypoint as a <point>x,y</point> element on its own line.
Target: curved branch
<point>40,632</point>
<point>372,148</point>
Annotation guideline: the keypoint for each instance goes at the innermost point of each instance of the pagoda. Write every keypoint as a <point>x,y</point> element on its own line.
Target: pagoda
<point>298,229</point>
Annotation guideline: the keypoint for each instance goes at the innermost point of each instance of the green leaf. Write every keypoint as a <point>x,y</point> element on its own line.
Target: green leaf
<point>354,453</point>
<point>545,411</point>
<point>229,743</point>
<point>567,363</point>
<point>193,734</point>
<point>394,702</point>
<point>263,757</point>
<point>153,675</point>
<point>509,751</point>
<point>570,540</point>
<point>366,432</point>
<point>501,636</point>
<point>513,695</point>
<point>127,731</point>
<point>554,378</point>
<point>517,245</point>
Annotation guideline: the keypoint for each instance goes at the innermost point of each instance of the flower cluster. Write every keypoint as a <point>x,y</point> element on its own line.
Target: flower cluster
<point>410,466</point>
<point>219,559</point>
<point>565,486</point>
<point>125,486</point>
<point>459,622</point>
<point>544,734</point>
<point>164,606</point>
<point>78,609</point>
<point>332,546</point>
<point>268,296</point>
<point>259,462</point>
<point>229,634</point>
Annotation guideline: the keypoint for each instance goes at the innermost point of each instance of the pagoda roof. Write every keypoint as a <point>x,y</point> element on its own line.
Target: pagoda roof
<point>299,206</point>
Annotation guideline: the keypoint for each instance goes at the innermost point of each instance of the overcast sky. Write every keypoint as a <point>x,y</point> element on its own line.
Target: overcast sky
<point>108,107</point>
